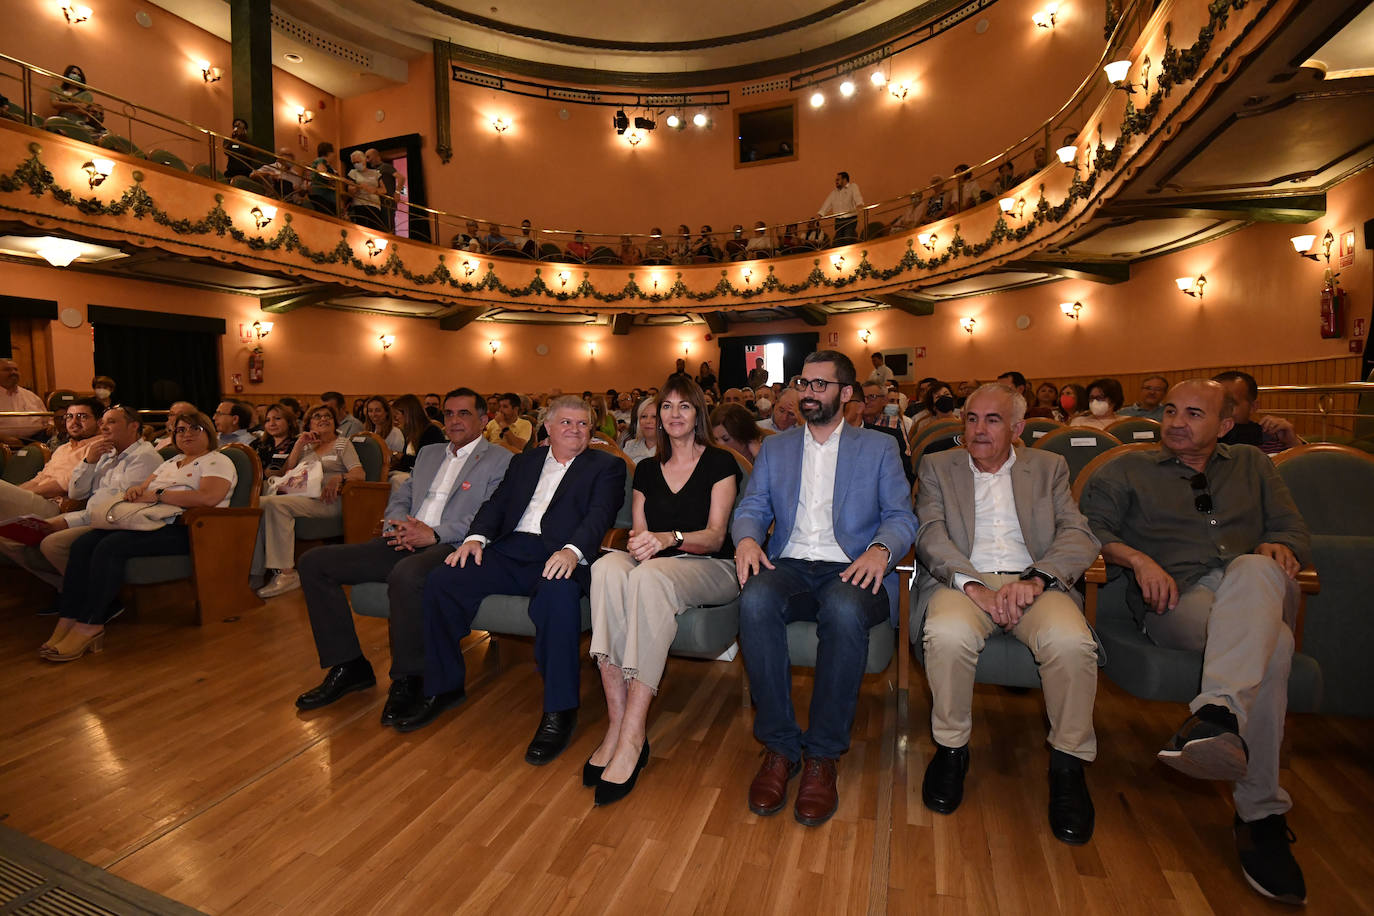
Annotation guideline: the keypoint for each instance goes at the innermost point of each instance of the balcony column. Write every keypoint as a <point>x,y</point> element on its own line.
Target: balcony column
<point>250,30</point>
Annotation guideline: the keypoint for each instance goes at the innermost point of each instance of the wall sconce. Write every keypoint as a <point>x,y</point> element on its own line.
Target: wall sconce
<point>1012,206</point>
<point>591,351</point>
<point>967,324</point>
<point>634,138</point>
<point>748,275</point>
<point>864,334</point>
<point>469,268</point>
<point>261,329</point>
<point>74,13</point>
<point>262,215</point>
<point>1190,286</point>
<point>1067,155</point>
<point>837,261</point>
<point>58,252</point>
<point>495,345</point>
<point>387,340</point>
<point>1117,73</point>
<point>564,277</point>
<point>1071,309</point>
<point>374,247</point>
<point>97,170</point>
<point>899,90</point>
<point>928,240</point>
<point>1302,244</point>
<point>208,73</point>
<point>500,125</point>
<point>304,115</point>
<point>1145,73</point>
<point>1045,18</point>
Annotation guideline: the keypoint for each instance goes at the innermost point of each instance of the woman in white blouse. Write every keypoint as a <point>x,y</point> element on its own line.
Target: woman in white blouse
<point>643,440</point>
<point>199,476</point>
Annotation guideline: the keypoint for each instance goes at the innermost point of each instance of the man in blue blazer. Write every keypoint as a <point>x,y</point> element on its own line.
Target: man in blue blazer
<point>840,508</point>
<point>428,513</point>
<point>536,536</point>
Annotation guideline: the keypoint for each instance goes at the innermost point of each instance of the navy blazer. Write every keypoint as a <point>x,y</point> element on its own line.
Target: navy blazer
<point>478,479</point>
<point>583,507</point>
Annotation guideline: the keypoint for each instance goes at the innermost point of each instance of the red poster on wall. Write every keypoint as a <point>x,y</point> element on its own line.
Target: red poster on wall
<point>1347,250</point>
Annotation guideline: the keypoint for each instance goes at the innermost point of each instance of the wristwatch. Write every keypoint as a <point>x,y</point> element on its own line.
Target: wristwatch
<point>678,539</point>
<point>1045,579</point>
<point>157,495</point>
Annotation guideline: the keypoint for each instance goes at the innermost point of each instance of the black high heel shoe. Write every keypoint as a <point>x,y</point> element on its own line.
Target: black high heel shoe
<point>610,792</point>
<point>591,773</point>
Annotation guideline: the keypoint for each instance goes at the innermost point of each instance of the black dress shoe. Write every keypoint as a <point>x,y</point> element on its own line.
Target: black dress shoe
<point>610,792</point>
<point>553,735</point>
<point>403,699</point>
<point>591,773</point>
<point>340,681</point>
<point>943,787</point>
<point>1071,808</point>
<point>428,709</point>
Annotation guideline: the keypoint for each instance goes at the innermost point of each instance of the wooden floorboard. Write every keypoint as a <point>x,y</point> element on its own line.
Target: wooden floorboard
<point>177,761</point>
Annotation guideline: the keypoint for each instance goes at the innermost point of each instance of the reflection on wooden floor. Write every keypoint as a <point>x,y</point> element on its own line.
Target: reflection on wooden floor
<point>176,760</point>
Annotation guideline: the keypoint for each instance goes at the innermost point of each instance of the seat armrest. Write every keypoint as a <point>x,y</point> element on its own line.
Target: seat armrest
<point>222,542</point>
<point>364,504</point>
<point>906,575</point>
<point>616,539</point>
<point>1308,582</point>
<point>1096,574</point>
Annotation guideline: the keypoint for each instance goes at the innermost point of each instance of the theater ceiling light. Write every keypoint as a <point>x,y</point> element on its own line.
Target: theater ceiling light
<point>97,170</point>
<point>675,122</point>
<point>847,88</point>
<point>645,123</point>
<point>700,119</point>
<point>878,78</point>
<point>1192,286</point>
<point>621,122</point>
<point>817,99</point>
<point>58,252</point>
<point>1071,309</point>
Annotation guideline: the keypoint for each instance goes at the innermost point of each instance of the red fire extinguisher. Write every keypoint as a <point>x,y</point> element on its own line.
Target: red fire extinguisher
<point>255,366</point>
<point>1334,302</point>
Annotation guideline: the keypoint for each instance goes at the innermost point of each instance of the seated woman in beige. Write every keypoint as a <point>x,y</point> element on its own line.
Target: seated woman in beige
<point>277,532</point>
<point>679,555</point>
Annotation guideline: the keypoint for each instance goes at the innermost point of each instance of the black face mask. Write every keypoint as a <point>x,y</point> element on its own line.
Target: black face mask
<point>944,403</point>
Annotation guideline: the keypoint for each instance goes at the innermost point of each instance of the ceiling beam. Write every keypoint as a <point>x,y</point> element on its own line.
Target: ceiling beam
<point>280,303</point>
<point>460,319</point>
<point>621,322</point>
<point>1302,208</point>
<point>717,322</point>
<point>809,313</point>
<point>1109,272</point>
<point>910,303</point>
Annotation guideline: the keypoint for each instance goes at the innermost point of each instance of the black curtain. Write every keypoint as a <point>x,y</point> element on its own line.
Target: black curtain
<point>6,348</point>
<point>158,358</point>
<point>795,349</point>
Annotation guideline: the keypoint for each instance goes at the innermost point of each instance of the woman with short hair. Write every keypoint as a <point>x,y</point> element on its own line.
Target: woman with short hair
<point>1105,398</point>
<point>734,427</point>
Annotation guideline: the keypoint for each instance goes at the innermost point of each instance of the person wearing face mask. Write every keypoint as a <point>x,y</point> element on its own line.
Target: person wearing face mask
<point>939,405</point>
<point>1073,400</point>
<point>884,417</point>
<point>1105,398</point>
<point>104,387</point>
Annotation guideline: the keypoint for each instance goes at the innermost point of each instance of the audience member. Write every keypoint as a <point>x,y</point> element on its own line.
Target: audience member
<point>939,405</point>
<point>468,240</point>
<point>1003,551</point>
<point>393,183</point>
<point>428,513</point>
<point>1104,400</point>
<point>578,247</point>
<point>239,160</point>
<point>496,243</point>
<point>679,554</point>
<point>72,99</point>
<point>168,439</point>
<point>1016,382</point>
<point>233,419</point>
<point>657,251</point>
<point>349,424</point>
<point>882,373</point>
<point>643,439</point>
<point>377,419</point>
<point>815,236</point>
<point>1006,178</point>
<point>629,252</point>
<point>199,476</point>
<point>843,204</point>
<point>704,248</point>
<point>14,430</point>
<point>324,182</point>
<point>734,427</point>
<point>1073,402</point>
<point>758,376</point>
<point>282,175</point>
<point>916,409</point>
<point>103,389</point>
<point>791,242</point>
<point>365,186</point>
<point>883,417</point>
<point>338,461</point>
<point>706,378</point>
<point>410,417</point>
<point>830,558</point>
<point>737,244</point>
<point>507,427</point>
<point>938,204</point>
<point>971,192</point>
<point>1211,568</point>
<point>1046,401</point>
<point>854,411</point>
<point>1150,403</point>
<point>40,496</point>
<point>733,396</point>
<point>534,536</point>
<point>279,432</point>
<point>603,424</point>
<point>1269,434</point>
<point>759,244</point>
<point>785,412</point>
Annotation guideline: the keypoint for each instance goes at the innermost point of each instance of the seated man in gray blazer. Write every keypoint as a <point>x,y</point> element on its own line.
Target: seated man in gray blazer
<point>1004,543</point>
<point>428,514</point>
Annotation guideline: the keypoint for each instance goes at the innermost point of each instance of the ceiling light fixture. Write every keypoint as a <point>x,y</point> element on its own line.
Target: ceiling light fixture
<point>645,124</point>
<point>878,79</point>
<point>1191,286</point>
<point>58,252</point>
<point>291,57</point>
<point>674,122</point>
<point>700,119</point>
<point>263,215</point>
<point>847,88</point>
<point>621,122</point>
<point>1071,309</point>
<point>97,170</point>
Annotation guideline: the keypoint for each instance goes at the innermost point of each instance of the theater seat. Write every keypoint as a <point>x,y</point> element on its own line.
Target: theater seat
<point>1037,428</point>
<point>1135,429</point>
<point>24,463</point>
<point>1078,445</point>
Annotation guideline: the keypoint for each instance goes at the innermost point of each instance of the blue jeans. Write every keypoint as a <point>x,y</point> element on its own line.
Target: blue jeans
<point>844,613</point>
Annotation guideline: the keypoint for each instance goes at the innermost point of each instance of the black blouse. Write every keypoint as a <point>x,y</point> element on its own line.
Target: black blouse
<point>689,509</point>
<point>431,436</point>
<point>273,457</point>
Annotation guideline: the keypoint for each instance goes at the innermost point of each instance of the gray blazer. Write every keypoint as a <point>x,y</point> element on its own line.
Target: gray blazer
<point>477,480</point>
<point>1057,535</point>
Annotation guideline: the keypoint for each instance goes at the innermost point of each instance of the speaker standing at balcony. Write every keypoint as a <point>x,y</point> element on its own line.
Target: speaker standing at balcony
<point>842,203</point>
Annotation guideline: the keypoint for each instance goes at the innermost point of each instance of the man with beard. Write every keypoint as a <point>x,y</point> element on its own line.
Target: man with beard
<point>837,537</point>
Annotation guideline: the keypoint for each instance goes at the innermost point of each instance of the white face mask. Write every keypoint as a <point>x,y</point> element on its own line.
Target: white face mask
<point>103,393</point>
<point>1099,407</point>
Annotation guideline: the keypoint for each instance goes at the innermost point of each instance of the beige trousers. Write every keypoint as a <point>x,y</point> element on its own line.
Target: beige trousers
<point>48,560</point>
<point>1241,620</point>
<point>18,501</point>
<point>279,514</point>
<point>1057,634</point>
<point>635,607</point>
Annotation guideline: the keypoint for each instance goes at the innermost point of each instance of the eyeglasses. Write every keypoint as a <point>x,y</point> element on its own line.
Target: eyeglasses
<point>815,384</point>
<point>182,430</point>
<point>1202,499</point>
<point>875,397</point>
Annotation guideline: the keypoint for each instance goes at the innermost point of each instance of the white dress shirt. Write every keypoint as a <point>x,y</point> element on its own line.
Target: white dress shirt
<point>813,530</point>
<point>842,200</point>
<point>550,476</point>
<point>998,545</point>
<point>432,508</point>
<point>117,471</point>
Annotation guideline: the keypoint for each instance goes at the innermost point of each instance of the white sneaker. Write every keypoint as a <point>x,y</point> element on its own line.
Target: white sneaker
<point>286,580</point>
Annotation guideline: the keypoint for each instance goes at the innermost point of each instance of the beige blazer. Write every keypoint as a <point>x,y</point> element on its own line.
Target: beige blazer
<point>1057,535</point>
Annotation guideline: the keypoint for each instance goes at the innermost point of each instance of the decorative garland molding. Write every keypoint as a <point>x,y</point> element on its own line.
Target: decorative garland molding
<point>147,205</point>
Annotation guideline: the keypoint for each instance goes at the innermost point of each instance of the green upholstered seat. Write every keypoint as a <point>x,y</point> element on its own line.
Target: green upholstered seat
<point>1078,445</point>
<point>802,645</point>
<point>1037,428</point>
<point>23,465</point>
<point>1135,429</point>
<point>171,160</point>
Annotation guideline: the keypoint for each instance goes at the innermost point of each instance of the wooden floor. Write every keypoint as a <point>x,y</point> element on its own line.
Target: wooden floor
<point>176,760</point>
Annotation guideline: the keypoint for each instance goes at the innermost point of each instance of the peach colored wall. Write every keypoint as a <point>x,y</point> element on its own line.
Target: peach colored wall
<point>155,68</point>
<point>974,95</point>
<point>1261,306</point>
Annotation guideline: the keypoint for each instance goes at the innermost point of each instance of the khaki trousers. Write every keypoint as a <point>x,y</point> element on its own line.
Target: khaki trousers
<point>1240,619</point>
<point>279,514</point>
<point>18,501</point>
<point>635,607</point>
<point>1057,634</point>
<point>48,560</point>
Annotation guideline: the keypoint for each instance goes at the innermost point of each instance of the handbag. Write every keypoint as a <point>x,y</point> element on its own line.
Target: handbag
<point>111,511</point>
<point>306,479</point>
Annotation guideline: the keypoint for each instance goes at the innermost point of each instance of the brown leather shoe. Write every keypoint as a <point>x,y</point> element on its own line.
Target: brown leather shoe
<point>768,791</point>
<point>817,797</point>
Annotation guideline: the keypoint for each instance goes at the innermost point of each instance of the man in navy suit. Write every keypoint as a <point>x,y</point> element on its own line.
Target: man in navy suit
<point>536,536</point>
<point>428,513</point>
<point>841,514</point>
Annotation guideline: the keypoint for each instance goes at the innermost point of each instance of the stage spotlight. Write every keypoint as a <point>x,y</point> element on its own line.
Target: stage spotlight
<point>645,124</point>
<point>700,119</point>
<point>817,99</point>
<point>620,122</point>
<point>674,122</point>
<point>878,78</point>
<point>847,88</point>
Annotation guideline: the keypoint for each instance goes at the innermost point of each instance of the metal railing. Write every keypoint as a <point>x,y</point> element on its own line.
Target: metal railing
<point>326,191</point>
<point>1338,411</point>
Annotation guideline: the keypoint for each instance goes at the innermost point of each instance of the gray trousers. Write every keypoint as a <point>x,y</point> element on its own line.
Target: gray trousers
<point>326,570</point>
<point>1055,631</point>
<point>1241,620</point>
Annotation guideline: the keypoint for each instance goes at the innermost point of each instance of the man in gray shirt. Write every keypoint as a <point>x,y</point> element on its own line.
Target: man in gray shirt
<point>1150,404</point>
<point>1212,542</point>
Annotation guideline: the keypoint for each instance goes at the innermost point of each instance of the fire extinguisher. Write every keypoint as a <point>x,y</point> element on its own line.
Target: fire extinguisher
<point>1334,302</point>
<point>255,366</point>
